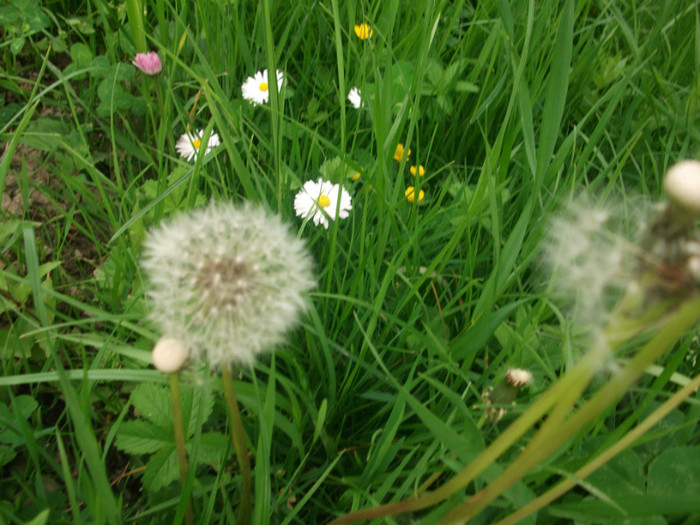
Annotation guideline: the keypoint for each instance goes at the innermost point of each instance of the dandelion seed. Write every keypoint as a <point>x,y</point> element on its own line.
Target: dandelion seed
<point>411,194</point>
<point>420,169</point>
<point>319,201</point>
<point>190,144</point>
<point>363,31</point>
<point>588,260</point>
<point>227,282</point>
<point>256,89</point>
<point>355,98</point>
<point>399,153</point>
<point>149,63</point>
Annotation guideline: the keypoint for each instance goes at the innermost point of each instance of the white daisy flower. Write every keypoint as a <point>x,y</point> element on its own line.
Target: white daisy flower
<point>190,144</point>
<point>319,201</point>
<point>257,90</point>
<point>355,98</point>
<point>226,283</point>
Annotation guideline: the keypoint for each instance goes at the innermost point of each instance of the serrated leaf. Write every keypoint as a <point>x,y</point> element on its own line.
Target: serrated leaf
<point>212,449</point>
<point>192,398</point>
<point>161,470</point>
<point>153,402</point>
<point>142,437</point>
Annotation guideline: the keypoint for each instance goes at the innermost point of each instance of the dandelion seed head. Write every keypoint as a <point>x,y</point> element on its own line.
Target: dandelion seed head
<point>227,281</point>
<point>588,255</point>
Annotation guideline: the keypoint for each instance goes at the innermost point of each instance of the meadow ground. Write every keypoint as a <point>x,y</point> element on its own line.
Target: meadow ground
<point>446,253</point>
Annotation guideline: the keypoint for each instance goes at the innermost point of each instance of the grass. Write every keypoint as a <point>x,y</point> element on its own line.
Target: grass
<point>513,108</point>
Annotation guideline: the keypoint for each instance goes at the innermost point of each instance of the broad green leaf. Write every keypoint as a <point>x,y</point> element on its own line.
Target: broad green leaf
<point>40,519</point>
<point>675,472</point>
<point>153,402</point>
<point>161,470</point>
<point>142,437</point>
<point>621,476</point>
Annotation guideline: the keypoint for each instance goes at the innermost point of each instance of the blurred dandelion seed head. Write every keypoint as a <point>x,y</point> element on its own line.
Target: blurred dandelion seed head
<point>589,255</point>
<point>227,281</point>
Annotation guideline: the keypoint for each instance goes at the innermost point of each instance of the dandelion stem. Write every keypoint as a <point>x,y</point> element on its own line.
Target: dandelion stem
<point>174,380</point>
<point>590,467</point>
<point>239,443</point>
<point>550,438</point>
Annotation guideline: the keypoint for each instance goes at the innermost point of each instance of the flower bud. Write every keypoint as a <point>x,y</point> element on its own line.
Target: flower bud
<point>169,355</point>
<point>682,184</point>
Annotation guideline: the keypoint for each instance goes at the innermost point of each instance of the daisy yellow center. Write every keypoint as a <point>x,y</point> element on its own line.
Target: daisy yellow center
<point>263,86</point>
<point>196,143</point>
<point>324,201</point>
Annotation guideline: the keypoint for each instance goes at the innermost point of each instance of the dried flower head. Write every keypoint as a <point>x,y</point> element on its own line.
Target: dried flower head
<point>518,377</point>
<point>497,400</point>
<point>228,282</point>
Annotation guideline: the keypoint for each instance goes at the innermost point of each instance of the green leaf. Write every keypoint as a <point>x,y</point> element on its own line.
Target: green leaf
<point>142,437</point>
<point>621,476</point>
<point>153,402</point>
<point>161,470</point>
<point>191,399</point>
<point>676,472</point>
<point>40,519</point>
<point>212,450</point>
<point>81,55</point>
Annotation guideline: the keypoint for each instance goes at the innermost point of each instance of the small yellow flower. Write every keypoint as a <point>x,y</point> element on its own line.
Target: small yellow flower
<point>356,176</point>
<point>398,154</point>
<point>411,194</point>
<point>421,171</point>
<point>363,31</point>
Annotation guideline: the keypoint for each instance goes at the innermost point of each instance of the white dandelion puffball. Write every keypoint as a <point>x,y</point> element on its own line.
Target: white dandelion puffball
<point>190,144</point>
<point>228,282</point>
<point>256,88</point>
<point>355,98</point>
<point>319,201</point>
